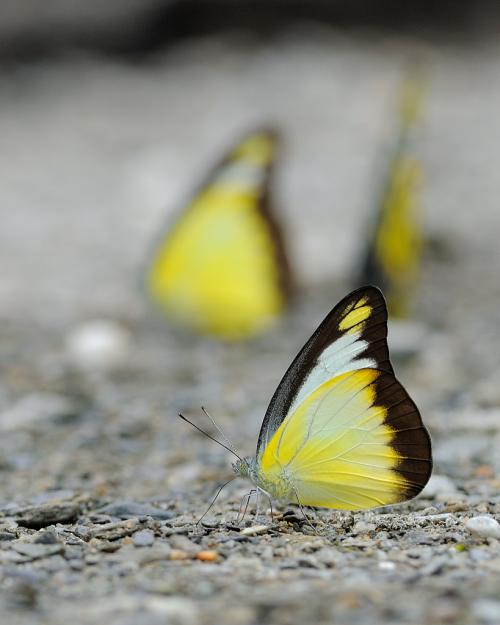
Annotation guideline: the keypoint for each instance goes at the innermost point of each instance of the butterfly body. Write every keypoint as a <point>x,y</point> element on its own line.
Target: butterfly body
<point>341,432</point>
<point>279,487</point>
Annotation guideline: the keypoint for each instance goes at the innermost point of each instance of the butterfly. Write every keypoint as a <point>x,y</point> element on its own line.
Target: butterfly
<point>222,269</point>
<point>394,252</point>
<point>341,432</point>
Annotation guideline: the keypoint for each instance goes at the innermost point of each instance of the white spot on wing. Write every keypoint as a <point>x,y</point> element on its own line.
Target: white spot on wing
<point>241,173</point>
<point>339,357</point>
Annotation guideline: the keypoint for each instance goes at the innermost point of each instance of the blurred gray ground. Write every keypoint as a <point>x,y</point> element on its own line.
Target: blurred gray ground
<point>95,155</point>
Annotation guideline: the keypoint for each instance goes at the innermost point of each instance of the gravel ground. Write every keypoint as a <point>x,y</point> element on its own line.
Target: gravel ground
<point>100,484</point>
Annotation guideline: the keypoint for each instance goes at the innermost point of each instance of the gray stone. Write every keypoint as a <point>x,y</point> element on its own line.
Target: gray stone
<point>130,509</point>
<point>484,527</point>
<point>40,516</point>
<point>35,551</point>
<point>143,538</point>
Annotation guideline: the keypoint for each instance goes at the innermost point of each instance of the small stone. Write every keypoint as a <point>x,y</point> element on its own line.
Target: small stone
<point>386,565</point>
<point>47,537</point>
<point>143,538</point>
<point>483,526</point>
<point>254,530</point>
<point>184,544</point>
<point>362,527</point>
<point>207,555</point>
<point>98,343</point>
<point>36,517</point>
<point>92,558</point>
<point>178,554</point>
<point>113,531</point>
<point>35,551</point>
<point>130,509</point>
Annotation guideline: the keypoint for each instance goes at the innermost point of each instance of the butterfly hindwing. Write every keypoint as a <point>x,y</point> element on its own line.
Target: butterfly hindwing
<point>222,269</point>
<point>355,442</point>
<point>352,336</point>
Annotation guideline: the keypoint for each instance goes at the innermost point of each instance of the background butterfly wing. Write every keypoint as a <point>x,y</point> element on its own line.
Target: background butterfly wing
<point>395,243</point>
<point>352,336</point>
<point>222,269</point>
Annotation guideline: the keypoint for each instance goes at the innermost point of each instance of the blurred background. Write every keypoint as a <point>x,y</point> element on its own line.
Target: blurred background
<point>112,112</point>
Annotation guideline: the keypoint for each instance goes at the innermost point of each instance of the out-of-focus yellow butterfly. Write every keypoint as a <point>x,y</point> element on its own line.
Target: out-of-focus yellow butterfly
<point>222,269</point>
<point>393,258</point>
<point>340,431</point>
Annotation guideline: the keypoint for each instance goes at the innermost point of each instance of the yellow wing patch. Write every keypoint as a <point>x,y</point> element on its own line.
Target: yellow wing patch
<point>393,259</point>
<point>218,271</point>
<point>353,320</point>
<point>398,241</point>
<point>335,450</point>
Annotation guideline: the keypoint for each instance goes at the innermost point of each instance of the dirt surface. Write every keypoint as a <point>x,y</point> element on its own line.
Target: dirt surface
<point>101,485</point>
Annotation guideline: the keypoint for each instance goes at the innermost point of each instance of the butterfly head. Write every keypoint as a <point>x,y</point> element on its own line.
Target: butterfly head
<point>246,467</point>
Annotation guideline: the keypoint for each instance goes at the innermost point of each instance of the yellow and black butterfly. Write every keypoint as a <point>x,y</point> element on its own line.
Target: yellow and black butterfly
<point>222,269</point>
<point>394,253</point>
<point>340,431</point>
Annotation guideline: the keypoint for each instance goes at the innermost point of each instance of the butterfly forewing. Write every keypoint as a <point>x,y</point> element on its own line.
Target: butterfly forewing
<point>352,336</point>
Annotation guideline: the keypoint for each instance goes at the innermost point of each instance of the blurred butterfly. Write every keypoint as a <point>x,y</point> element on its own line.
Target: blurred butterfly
<point>340,431</point>
<point>394,253</point>
<point>222,269</point>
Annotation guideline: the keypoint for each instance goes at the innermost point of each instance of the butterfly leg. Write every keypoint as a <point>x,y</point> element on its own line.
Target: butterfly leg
<point>301,507</point>
<point>245,498</point>
<point>213,501</point>
<point>257,503</point>
<point>263,492</point>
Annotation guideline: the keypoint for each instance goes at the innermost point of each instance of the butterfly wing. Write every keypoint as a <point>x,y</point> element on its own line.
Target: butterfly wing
<point>393,257</point>
<point>222,269</point>
<point>352,336</point>
<point>351,437</point>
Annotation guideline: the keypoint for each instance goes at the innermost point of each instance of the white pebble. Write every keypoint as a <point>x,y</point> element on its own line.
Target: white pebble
<point>98,343</point>
<point>386,565</point>
<point>254,530</point>
<point>483,526</point>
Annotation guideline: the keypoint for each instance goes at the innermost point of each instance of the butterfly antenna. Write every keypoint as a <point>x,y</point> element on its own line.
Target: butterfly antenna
<point>226,439</point>
<point>214,500</point>
<point>210,437</point>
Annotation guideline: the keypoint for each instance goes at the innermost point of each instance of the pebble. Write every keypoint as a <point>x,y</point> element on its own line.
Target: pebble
<point>35,551</point>
<point>483,526</point>
<point>130,509</point>
<point>100,343</point>
<point>254,530</point>
<point>47,537</point>
<point>207,556</point>
<point>143,538</point>
<point>113,531</point>
<point>36,517</point>
<point>387,565</point>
